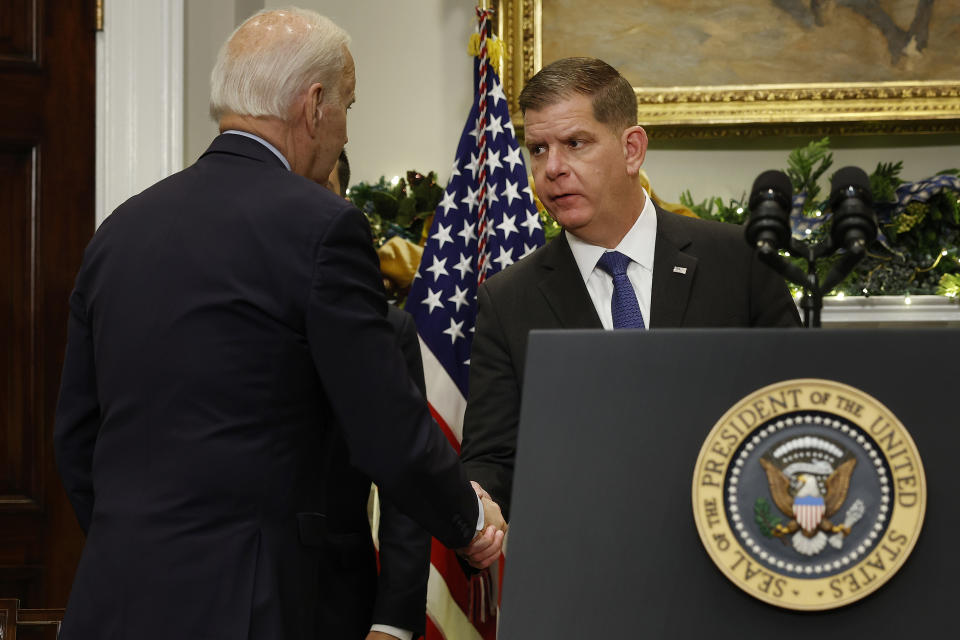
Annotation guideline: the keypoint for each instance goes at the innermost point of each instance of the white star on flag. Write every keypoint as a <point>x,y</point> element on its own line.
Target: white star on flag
<point>471,198</point>
<point>443,234</point>
<point>496,93</point>
<point>505,259</point>
<point>473,165</point>
<point>454,330</point>
<point>513,157</point>
<point>495,126</point>
<point>438,268</point>
<point>508,226</point>
<point>463,267</point>
<point>493,162</point>
<point>532,222</point>
<point>467,233</point>
<point>459,298</point>
<point>448,202</point>
<point>510,192</point>
<point>433,299</point>
<point>476,131</point>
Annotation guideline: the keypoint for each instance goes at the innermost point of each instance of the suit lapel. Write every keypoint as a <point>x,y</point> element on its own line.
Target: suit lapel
<point>563,287</point>
<point>673,272</point>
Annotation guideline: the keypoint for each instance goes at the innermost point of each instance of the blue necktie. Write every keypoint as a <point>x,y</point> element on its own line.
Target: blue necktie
<point>624,305</point>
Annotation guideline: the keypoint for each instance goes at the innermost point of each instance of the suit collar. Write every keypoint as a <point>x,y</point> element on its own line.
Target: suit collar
<point>563,287</point>
<point>673,272</point>
<point>243,146</point>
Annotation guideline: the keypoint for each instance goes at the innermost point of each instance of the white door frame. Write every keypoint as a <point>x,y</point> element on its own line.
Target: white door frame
<point>139,98</point>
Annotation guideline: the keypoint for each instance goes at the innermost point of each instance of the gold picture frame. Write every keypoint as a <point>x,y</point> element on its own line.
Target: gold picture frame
<point>748,110</point>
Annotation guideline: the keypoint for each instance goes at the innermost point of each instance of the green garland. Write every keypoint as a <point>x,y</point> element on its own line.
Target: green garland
<point>401,208</point>
<point>918,250</point>
<point>398,208</point>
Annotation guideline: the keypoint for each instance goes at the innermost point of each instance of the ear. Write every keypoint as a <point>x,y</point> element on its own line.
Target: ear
<point>634,142</point>
<point>313,107</point>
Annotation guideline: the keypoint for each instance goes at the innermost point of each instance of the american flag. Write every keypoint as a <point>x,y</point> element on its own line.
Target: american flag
<point>488,180</point>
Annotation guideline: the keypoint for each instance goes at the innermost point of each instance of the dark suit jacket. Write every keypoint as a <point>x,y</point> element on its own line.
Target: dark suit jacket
<point>724,286</point>
<point>354,595</point>
<point>222,322</point>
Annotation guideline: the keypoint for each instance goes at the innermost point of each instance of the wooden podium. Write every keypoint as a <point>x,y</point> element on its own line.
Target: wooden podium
<point>603,541</point>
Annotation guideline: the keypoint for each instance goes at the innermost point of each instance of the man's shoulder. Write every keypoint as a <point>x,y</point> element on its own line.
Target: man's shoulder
<point>699,226</point>
<point>700,233</point>
<point>529,269</point>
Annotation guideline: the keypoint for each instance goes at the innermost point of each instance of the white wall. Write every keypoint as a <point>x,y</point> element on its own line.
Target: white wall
<point>727,168</point>
<point>414,81</point>
<point>207,24</point>
<point>414,87</point>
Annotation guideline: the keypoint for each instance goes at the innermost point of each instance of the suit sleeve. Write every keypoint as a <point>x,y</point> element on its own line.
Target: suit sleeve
<point>384,419</point>
<point>404,545</point>
<point>771,304</point>
<point>491,420</point>
<point>77,419</point>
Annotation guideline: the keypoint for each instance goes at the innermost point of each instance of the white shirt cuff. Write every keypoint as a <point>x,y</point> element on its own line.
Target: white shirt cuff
<point>480,521</point>
<point>403,634</point>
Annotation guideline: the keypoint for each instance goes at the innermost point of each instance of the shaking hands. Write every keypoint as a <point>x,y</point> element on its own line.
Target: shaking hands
<point>488,544</point>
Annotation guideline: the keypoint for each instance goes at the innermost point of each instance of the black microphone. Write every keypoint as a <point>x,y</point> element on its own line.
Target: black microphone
<point>771,199</point>
<point>854,221</point>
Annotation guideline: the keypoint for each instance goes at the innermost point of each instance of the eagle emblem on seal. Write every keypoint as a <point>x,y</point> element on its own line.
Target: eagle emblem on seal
<point>809,478</point>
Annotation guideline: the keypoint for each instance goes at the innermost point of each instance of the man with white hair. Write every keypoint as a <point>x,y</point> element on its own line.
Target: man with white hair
<point>222,322</point>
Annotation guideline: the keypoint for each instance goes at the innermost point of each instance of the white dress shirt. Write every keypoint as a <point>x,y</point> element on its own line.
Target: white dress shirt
<point>638,245</point>
<point>276,152</point>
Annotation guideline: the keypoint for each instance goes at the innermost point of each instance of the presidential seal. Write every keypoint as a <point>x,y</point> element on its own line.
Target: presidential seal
<point>809,494</point>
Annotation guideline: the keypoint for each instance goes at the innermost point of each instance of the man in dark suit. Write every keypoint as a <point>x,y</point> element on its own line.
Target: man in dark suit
<point>222,323</point>
<point>620,262</point>
<point>356,599</point>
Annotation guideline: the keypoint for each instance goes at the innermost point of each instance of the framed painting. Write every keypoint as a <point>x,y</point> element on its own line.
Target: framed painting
<point>710,68</point>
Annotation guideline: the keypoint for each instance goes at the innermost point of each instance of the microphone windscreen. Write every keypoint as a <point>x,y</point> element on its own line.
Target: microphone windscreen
<point>776,181</point>
<point>850,177</point>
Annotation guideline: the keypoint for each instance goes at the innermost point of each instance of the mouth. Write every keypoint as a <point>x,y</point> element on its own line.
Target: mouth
<point>565,198</point>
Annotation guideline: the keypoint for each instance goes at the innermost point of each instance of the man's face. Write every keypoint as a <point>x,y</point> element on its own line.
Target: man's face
<point>332,130</point>
<point>580,168</point>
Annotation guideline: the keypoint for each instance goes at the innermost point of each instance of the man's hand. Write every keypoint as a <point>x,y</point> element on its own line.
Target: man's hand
<point>487,545</point>
<point>380,635</point>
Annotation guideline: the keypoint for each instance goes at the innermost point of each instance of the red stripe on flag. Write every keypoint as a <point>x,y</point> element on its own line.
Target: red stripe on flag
<point>433,633</point>
<point>457,582</point>
<point>451,437</point>
<point>465,592</point>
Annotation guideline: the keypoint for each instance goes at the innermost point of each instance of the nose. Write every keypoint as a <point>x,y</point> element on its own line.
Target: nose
<point>556,165</point>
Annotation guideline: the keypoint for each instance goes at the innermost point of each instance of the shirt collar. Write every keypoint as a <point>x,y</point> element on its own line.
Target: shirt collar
<point>638,244</point>
<point>272,148</point>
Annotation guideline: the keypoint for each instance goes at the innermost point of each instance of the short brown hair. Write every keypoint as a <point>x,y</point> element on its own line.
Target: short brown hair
<point>614,102</point>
